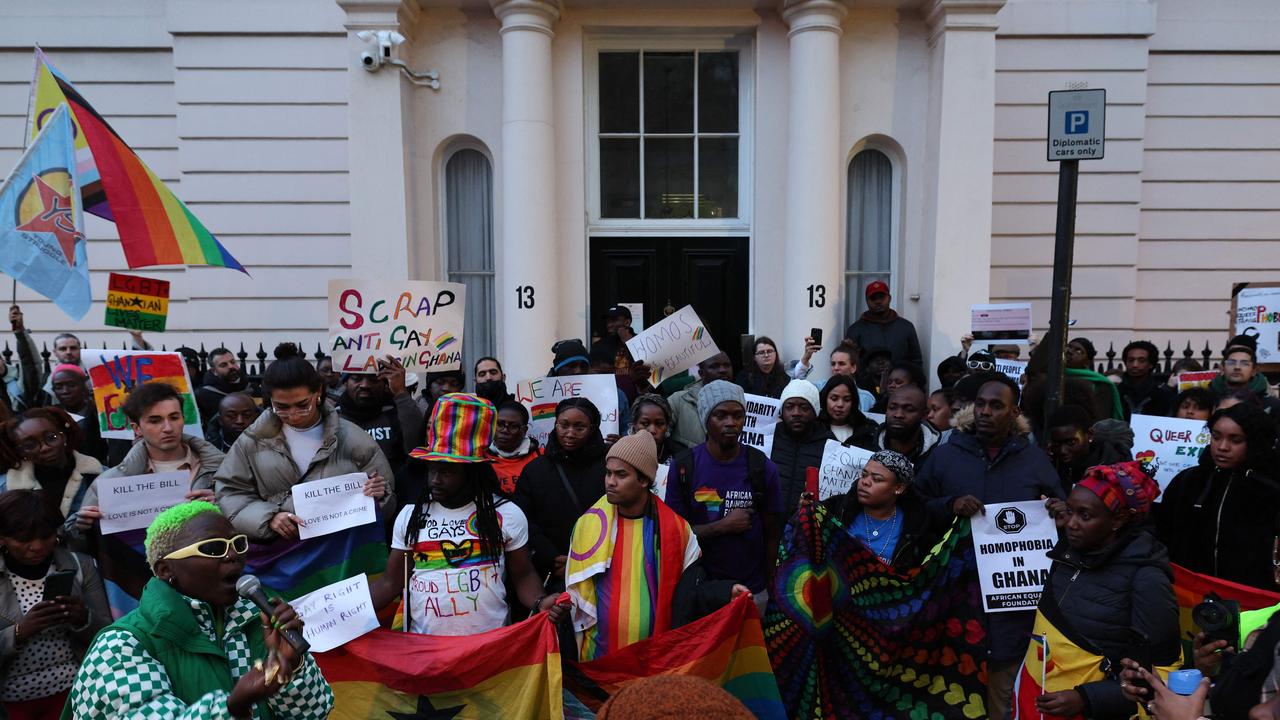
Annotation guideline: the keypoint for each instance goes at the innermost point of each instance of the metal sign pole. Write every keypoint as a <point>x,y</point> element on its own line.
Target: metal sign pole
<point>1063,256</point>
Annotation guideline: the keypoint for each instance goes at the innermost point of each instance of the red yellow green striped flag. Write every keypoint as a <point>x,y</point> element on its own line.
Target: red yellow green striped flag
<point>155,227</point>
<point>511,672</point>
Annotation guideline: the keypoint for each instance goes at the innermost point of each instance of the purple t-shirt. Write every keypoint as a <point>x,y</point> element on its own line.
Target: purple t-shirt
<point>717,488</point>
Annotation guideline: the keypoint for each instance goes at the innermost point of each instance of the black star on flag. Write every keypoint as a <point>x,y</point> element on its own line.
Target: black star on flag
<point>427,711</point>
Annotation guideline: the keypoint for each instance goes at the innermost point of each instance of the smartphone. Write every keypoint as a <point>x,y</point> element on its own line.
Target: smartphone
<point>58,583</point>
<point>815,334</point>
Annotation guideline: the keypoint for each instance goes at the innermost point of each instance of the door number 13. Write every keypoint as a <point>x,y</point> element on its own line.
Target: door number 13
<point>524,297</point>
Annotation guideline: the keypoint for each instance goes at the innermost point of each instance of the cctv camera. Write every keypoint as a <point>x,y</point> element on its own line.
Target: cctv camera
<point>370,60</point>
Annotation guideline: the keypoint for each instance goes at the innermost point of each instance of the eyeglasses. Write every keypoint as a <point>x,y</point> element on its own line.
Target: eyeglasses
<point>509,426</point>
<point>301,408</point>
<point>575,428</point>
<point>981,365</point>
<point>1237,363</point>
<point>216,548</point>
<point>766,352</point>
<point>50,439</point>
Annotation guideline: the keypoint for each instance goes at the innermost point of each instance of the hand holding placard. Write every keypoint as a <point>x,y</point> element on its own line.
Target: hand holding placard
<point>132,502</point>
<point>332,504</point>
<point>337,613</point>
<point>673,344</point>
<point>841,468</point>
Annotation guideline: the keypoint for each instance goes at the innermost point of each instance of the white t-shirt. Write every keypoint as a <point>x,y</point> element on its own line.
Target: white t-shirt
<point>455,589</point>
<point>303,444</point>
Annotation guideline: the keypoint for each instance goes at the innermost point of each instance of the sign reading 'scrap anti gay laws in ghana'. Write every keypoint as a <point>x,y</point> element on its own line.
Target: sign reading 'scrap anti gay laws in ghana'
<point>419,322</point>
<point>114,374</point>
<point>1011,540</point>
<point>673,344</point>
<point>540,397</point>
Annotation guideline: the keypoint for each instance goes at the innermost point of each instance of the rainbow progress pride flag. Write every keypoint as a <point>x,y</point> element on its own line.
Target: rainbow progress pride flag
<point>155,227</point>
<point>511,672</point>
<point>725,647</point>
<point>292,568</point>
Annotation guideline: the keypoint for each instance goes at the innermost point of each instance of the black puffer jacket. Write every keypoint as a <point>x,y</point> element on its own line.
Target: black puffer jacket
<point>1113,598</point>
<point>550,509</point>
<point>1221,523</point>
<point>920,528</point>
<point>793,455</point>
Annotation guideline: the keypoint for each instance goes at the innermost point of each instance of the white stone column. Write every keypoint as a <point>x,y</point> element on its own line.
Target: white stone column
<point>956,262</point>
<point>527,253</point>
<point>379,148</point>
<point>812,276</point>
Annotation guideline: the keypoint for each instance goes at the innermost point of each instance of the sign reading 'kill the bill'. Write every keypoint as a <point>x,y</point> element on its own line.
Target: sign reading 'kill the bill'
<point>137,303</point>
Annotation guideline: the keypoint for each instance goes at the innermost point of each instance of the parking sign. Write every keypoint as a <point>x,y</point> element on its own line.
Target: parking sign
<point>1077,123</point>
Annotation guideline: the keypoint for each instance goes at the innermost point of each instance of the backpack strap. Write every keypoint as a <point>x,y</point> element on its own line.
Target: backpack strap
<point>755,476</point>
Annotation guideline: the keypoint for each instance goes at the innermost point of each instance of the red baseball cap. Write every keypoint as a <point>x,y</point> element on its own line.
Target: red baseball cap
<point>877,287</point>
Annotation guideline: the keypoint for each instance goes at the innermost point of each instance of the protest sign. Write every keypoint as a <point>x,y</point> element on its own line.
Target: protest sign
<point>1256,311</point>
<point>672,344</point>
<point>1013,369</point>
<point>660,481</point>
<point>337,613</point>
<point>332,504</point>
<point>132,502</point>
<point>114,374</point>
<point>1188,380</point>
<point>762,420</point>
<point>1169,445</point>
<point>1004,322</point>
<point>841,468</point>
<point>1011,540</point>
<point>419,322</point>
<point>137,303</point>
<point>540,397</point>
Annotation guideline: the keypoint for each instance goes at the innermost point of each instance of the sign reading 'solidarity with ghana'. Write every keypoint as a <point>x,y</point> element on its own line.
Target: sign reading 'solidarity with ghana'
<point>419,322</point>
<point>137,303</point>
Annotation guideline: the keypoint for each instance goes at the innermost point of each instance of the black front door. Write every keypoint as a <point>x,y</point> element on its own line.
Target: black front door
<point>708,273</point>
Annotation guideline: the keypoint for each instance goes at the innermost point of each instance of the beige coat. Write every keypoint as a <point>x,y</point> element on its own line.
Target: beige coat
<point>23,477</point>
<point>257,476</point>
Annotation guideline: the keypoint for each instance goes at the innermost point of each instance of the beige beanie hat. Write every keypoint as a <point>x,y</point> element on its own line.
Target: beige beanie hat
<point>639,451</point>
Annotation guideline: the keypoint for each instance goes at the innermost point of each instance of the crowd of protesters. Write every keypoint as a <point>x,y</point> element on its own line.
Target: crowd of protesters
<point>456,469</point>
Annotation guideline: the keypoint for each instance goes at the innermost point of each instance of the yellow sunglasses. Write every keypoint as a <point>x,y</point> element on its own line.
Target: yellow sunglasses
<point>216,548</point>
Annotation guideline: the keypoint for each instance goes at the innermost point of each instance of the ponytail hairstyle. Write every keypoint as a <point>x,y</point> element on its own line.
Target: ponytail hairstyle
<point>483,482</point>
<point>290,370</point>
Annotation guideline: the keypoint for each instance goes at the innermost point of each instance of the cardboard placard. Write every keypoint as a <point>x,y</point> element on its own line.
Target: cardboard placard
<point>1201,378</point>
<point>336,613</point>
<point>332,504</point>
<point>1255,311</point>
<point>418,321</point>
<point>541,395</point>
<point>1008,323</point>
<point>1013,369</point>
<point>1011,540</point>
<point>137,303</point>
<point>673,344</point>
<point>132,502</point>
<point>762,420</point>
<point>841,468</point>
<point>660,481</point>
<point>114,374</point>
<point>1170,445</point>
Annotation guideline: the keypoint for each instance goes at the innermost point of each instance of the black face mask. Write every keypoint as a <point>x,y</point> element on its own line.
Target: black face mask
<point>495,391</point>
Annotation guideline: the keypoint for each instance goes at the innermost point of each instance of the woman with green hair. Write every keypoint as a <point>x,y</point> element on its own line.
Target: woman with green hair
<point>194,648</point>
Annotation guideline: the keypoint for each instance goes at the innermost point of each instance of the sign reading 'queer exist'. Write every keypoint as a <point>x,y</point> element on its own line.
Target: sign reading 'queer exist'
<point>115,373</point>
<point>419,322</point>
<point>1168,445</point>
<point>673,345</point>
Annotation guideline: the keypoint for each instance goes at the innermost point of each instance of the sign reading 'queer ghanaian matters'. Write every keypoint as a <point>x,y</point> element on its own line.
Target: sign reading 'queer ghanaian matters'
<point>673,344</point>
<point>1170,445</point>
<point>841,468</point>
<point>419,322</point>
<point>131,503</point>
<point>137,303</point>
<point>332,504</point>
<point>1011,540</point>
<point>541,395</point>
<point>114,374</point>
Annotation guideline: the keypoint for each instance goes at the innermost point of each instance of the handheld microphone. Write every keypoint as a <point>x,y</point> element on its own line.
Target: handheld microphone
<point>250,588</point>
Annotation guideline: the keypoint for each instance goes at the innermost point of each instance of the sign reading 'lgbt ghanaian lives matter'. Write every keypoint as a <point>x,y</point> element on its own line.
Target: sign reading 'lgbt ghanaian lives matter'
<point>1011,540</point>
<point>541,395</point>
<point>131,503</point>
<point>673,344</point>
<point>332,504</point>
<point>420,322</point>
<point>137,303</point>
<point>1170,445</point>
<point>114,374</point>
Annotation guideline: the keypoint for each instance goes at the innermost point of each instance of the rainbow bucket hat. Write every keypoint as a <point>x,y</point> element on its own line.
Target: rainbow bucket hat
<point>461,430</point>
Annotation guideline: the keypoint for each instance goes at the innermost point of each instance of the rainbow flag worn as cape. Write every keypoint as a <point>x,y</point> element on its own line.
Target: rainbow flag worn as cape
<point>622,574</point>
<point>510,672</point>
<point>155,227</point>
<point>725,647</point>
<point>853,637</point>
<point>292,568</point>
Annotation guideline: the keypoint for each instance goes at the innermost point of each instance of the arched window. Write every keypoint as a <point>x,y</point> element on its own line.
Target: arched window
<point>869,233</point>
<point>468,229</point>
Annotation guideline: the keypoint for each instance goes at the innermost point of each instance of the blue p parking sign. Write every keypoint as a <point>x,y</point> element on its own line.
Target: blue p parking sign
<point>1076,122</point>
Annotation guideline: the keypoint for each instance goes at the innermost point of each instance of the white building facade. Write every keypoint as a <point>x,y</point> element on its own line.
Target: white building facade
<point>761,161</point>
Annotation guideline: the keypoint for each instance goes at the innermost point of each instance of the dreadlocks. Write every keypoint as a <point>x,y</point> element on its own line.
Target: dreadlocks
<point>483,484</point>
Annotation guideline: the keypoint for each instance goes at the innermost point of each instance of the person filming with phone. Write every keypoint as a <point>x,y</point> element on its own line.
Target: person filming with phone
<point>52,603</point>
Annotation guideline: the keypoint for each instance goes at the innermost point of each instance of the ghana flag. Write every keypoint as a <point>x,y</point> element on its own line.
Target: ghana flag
<point>511,672</point>
<point>725,647</point>
<point>1190,588</point>
<point>292,568</point>
<point>155,227</point>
